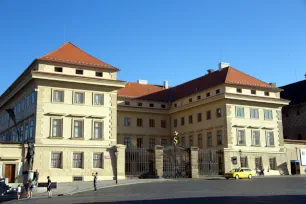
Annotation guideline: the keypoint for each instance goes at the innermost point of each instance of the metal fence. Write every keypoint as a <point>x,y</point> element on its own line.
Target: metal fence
<point>211,162</point>
<point>140,162</point>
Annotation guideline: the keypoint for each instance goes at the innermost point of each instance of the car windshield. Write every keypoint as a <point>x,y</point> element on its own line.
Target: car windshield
<point>234,170</point>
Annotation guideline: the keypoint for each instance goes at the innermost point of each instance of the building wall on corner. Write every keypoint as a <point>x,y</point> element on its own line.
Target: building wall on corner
<point>293,152</point>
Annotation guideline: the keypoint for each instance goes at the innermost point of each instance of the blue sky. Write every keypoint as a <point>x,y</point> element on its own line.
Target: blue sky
<point>157,40</point>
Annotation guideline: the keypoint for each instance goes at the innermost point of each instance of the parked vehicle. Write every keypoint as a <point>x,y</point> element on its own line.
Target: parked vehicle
<point>239,173</point>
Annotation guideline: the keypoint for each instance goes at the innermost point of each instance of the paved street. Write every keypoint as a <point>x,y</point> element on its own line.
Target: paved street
<point>266,190</point>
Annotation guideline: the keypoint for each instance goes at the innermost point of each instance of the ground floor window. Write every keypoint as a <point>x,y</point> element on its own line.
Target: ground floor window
<point>163,142</point>
<point>258,162</point>
<point>272,162</point>
<point>77,160</point>
<point>139,142</point>
<point>56,160</point>
<point>97,160</point>
<point>244,161</point>
<point>152,143</point>
<point>127,141</point>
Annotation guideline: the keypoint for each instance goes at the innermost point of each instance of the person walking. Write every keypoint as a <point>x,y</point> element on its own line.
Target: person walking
<point>49,187</point>
<point>27,188</point>
<point>35,177</point>
<point>95,181</point>
<point>18,192</point>
<point>31,189</point>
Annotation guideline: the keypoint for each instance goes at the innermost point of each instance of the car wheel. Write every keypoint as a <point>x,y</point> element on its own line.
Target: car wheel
<point>227,178</point>
<point>250,176</point>
<point>237,176</point>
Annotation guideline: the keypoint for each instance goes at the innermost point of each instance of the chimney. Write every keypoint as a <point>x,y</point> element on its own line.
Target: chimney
<point>145,82</point>
<point>166,85</point>
<point>210,71</point>
<point>223,65</point>
<point>273,84</point>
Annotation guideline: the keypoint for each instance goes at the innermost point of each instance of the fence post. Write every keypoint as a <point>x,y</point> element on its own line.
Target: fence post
<point>194,159</point>
<point>159,151</point>
<point>120,163</point>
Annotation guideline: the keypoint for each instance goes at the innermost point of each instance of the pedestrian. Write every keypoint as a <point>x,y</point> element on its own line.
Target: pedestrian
<point>27,188</point>
<point>35,177</point>
<point>95,181</point>
<point>31,189</point>
<point>18,192</point>
<point>49,187</point>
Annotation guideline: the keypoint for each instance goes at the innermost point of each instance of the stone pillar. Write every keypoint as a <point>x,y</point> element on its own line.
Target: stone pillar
<point>121,161</point>
<point>194,159</point>
<point>159,151</point>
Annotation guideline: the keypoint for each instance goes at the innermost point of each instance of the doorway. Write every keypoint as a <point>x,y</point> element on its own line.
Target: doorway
<point>295,167</point>
<point>10,172</point>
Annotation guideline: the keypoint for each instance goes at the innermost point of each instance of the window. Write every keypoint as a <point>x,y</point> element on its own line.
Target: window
<point>183,141</point>
<point>98,98</point>
<point>14,135</point>
<point>299,136</point>
<point>77,160</point>
<point>139,142</point>
<point>127,121</point>
<point>270,138</point>
<point>255,137</point>
<point>139,122</point>
<point>268,115</point>
<point>243,162</point>
<point>15,109</point>
<point>219,137</point>
<point>78,129</point>
<point>27,101</point>
<point>241,137</point>
<point>33,97</point>
<point>97,161</point>
<point>151,105</point>
<point>139,104</point>
<point>58,96</point>
<point>239,90</point>
<point>18,107</point>
<point>26,128</point>
<point>182,121</point>
<point>127,103</point>
<point>218,113</point>
<point>199,97</point>
<point>258,163</point>
<point>209,139</point>
<point>253,91</point>
<point>22,105</point>
<point>190,119</point>
<point>127,141</point>
<point>151,123</point>
<point>190,141</point>
<point>21,134</point>
<point>151,142</point>
<point>57,125</point>
<point>190,100</point>
<point>207,94</point>
<point>200,141</point>
<point>163,123</point>
<point>163,106</point>
<point>175,105</point>
<point>199,117</point>
<point>56,160</point>
<point>267,93</point>
<point>98,127</point>
<point>32,129</point>
<point>297,112</point>
<point>163,142</point>
<point>254,113</point>
<point>272,162</point>
<point>240,112</point>
<point>99,74</point>
<point>175,122</point>
<point>79,98</point>
<point>79,71</point>
<point>58,69</point>
<point>217,91</point>
<point>208,115</point>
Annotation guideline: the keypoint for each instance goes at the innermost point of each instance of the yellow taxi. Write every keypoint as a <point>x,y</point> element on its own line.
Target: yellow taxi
<point>240,173</point>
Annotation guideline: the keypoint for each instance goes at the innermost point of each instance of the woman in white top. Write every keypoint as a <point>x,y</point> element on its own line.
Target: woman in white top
<point>18,192</point>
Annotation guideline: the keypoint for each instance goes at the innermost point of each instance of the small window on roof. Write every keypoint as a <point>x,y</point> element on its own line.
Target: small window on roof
<point>267,93</point>
<point>190,100</point>
<point>208,94</point>
<point>127,103</point>
<point>139,104</point>
<point>239,90</point>
<point>253,91</point>
<point>217,91</point>
<point>58,69</point>
<point>199,97</point>
<point>99,74</point>
<point>151,105</point>
<point>79,71</point>
<point>175,105</point>
<point>163,106</point>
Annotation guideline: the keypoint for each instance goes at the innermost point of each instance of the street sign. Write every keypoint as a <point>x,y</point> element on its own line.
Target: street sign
<point>107,157</point>
<point>175,140</point>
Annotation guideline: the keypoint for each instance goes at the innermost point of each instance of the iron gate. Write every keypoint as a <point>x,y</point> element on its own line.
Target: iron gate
<point>139,162</point>
<point>211,162</point>
<point>176,162</point>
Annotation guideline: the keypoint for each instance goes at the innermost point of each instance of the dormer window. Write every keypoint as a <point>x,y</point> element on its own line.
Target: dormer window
<point>217,91</point>
<point>139,104</point>
<point>151,105</point>
<point>79,71</point>
<point>239,90</point>
<point>127,103</point>
<point>163,106</point>
<point>199,97</point>
<point>267,93</point>
<point>190,100</point>
<point>58,69</point>
<point>99,74</point>
<point>208,94</point>
<point>175,105</point>
<point>253,92</point>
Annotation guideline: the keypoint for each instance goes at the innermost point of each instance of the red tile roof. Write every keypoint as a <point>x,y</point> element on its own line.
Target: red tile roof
<point>71,54</point>
<point>227,75</point>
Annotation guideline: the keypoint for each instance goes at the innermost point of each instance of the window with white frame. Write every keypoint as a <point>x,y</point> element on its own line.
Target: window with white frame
<point>270,138</point>
<point>268,115</point>
<point>151,123</point>
<point>244,161</point>
<point>56,160</point>
<point>58,96</point>
<point>209,139</point>
<point>77,160</point>
<point>78,128</point>
<point>57,127</point>
<point>79,97</point>
<point>240,112</point>
<point>272,162</point>
<point>98,99</point>
<point>139,122</point>
<point>127,141</point>
<point>97,160</point>
<point>241,137</point>
<point>98,127</point>
<point>255,137</point>
<point>151,142</point>
<point>127,121</point>
<point>219,137</point>
<point>254,113</point>
<point>31,129</point>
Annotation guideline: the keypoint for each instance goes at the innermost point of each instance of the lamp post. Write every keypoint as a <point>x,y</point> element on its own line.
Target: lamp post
<point>116,154</point>
<point>240,153</point>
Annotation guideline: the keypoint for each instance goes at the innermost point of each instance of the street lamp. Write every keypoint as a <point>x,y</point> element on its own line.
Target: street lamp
<point>240,153</point>
<point>116,154</point>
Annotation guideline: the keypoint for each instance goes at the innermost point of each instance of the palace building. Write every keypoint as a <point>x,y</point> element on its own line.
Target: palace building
<point>72,107</point>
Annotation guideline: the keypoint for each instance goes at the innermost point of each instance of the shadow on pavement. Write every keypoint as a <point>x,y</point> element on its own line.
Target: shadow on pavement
<point>286,199</point>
